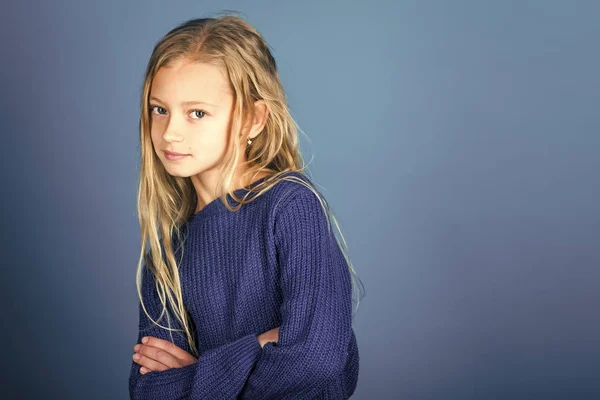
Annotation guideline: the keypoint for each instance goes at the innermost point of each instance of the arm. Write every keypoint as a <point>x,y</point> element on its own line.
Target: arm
<point>316,310</point>
<point>219,372</point>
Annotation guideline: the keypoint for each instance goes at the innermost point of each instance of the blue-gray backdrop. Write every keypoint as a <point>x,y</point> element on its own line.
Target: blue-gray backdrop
<point>457,142</point>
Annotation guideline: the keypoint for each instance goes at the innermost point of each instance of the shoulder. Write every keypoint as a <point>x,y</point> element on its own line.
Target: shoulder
<point>297,208</point>
<point>295,192</point>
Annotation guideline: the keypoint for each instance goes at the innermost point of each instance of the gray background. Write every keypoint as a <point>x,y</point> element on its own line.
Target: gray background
<point>457,142</point>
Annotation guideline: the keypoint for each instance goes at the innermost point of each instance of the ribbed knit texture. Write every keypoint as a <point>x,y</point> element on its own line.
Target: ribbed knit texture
<point>272,263</point>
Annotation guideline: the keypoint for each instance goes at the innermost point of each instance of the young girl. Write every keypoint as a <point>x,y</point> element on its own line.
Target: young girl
<point>245,291</point>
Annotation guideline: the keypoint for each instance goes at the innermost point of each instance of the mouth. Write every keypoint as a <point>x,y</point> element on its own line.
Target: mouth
<point>172,155</point>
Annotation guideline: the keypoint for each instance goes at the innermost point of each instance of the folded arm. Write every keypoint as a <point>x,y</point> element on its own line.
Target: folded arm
<point>219,372</point>
<point>316,310</point>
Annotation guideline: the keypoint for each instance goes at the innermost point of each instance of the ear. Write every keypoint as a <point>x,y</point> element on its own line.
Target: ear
<point>260,118</point>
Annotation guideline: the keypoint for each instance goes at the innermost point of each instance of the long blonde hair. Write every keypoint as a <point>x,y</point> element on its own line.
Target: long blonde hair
<point>165,202</point>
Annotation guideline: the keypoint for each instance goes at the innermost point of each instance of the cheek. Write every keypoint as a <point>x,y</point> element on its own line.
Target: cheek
<point>155,136</point>
<point>207,146</point>
<point>214,135</point>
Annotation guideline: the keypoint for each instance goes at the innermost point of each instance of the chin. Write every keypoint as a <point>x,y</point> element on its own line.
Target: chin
<point>176,170</point>
<point>178,174</point>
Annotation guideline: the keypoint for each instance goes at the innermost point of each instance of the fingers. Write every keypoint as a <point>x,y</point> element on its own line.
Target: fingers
<point>159,355</point>
<point>154,359</point>
<point>148,363</point>
<point>171,349</point>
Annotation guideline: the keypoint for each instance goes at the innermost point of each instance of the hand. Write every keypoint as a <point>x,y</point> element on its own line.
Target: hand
<point>268,336</point>
<point>159,355</point>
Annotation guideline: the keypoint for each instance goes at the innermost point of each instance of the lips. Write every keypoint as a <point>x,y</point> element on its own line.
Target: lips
<point>174,153</point>
<point>173,156</point>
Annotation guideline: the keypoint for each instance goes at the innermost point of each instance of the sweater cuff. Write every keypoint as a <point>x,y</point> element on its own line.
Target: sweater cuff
<point>247,348</point>
<point>225,370</point>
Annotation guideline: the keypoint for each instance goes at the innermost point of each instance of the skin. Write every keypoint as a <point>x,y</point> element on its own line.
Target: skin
<point>155,354</point>
<point>201,131</point>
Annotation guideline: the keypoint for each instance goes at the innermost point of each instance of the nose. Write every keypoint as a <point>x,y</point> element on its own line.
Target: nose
<point>171,136</point>
<point>171,133</point>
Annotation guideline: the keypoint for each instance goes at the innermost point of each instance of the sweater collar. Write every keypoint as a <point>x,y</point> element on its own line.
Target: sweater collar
<point>217,206</point>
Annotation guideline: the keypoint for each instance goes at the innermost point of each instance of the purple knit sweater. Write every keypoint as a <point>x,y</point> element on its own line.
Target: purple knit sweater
<point>272,263</point>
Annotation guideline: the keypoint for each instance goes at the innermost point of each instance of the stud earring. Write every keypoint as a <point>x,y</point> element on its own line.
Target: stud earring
<point>249,142</point>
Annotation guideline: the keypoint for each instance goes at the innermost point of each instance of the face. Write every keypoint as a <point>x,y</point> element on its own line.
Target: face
<point>190,111</point>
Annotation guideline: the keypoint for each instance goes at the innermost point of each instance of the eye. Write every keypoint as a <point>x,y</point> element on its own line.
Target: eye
<point>152,107</point>
<point>196,113</point>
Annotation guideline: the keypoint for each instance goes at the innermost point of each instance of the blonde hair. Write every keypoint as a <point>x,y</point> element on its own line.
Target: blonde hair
<point>166,202</point>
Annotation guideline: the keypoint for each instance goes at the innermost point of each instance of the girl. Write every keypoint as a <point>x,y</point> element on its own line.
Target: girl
<point>241,250</point>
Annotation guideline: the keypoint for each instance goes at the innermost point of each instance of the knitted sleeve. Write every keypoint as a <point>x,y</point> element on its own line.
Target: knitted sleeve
<point>219,373</point>
<point>316,310</point>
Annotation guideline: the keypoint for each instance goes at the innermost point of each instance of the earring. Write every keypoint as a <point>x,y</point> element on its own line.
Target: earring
<point>249,142</point>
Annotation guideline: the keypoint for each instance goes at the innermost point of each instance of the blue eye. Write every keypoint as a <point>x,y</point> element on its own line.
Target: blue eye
<point>152,107</point>
<point>199,111</point>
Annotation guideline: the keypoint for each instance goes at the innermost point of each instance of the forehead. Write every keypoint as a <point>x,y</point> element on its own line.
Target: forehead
<point>184,80</point>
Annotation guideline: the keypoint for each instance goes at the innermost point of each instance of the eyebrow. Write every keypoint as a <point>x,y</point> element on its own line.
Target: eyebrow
<point>186,103</point>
